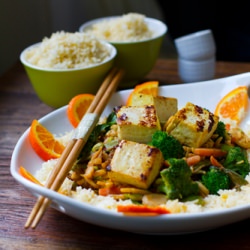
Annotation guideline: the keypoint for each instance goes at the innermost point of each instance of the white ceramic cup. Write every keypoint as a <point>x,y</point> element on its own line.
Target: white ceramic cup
<point>196,46</point>
<point>195,71</point>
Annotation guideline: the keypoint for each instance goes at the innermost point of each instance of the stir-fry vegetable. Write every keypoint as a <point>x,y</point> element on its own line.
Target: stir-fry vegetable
<point>186,173</point>
<point>169,146</point>
<point>191,156</point>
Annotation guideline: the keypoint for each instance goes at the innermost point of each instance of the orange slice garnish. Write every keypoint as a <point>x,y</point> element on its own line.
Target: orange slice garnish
<point>149,88</point>
<point>43,142</point>
<point>233,107</point>
<point>77,107</point>
<point>26,174</point>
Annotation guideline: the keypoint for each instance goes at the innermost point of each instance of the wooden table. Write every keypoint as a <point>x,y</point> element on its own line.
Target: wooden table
<point>18,107</point>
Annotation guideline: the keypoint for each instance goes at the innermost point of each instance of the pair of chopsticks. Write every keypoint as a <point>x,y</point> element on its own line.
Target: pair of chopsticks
<point>76,144</point>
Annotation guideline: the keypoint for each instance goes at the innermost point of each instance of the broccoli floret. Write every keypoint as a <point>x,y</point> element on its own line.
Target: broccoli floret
<point>221,131</point>
<point>176,180</point>
<point>237,161</point>
<point>169,146</point>
<point>215,179</point>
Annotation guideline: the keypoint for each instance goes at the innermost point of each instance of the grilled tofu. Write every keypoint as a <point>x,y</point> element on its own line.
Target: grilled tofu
<point>135,164</point>
<point>137,123</point>
<point>165,106</point>
<point>192,125</point>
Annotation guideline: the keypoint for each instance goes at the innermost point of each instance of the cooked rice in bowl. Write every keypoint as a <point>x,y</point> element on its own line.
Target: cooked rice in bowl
<point>130,27</point>
<point>65,50</point>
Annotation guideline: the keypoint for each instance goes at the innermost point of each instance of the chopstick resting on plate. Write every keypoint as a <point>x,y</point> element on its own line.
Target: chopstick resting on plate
<point>74,147</point>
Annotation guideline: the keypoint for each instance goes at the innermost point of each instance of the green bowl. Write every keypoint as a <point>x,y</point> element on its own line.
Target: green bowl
<point>136,58</point>
<point>56,87</point>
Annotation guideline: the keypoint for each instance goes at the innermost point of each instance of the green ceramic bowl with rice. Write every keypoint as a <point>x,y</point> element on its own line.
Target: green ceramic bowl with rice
<point>67,64</point>
<point>138,41</point>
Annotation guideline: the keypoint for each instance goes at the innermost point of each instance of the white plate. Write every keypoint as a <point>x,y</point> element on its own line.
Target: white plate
<point>205,94</point>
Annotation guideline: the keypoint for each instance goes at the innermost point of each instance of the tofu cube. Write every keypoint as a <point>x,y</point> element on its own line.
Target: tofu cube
<point>137,123</point>
<point>135,164</point>
<point>192,125</point>
<point>165,106</point>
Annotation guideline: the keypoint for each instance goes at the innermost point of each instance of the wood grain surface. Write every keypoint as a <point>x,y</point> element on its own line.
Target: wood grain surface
<point>19,105</point>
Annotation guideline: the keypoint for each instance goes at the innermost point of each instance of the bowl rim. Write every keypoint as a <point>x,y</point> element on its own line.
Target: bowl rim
<point>112,56</point>
<point>201,34</point>
<point>163,26</point>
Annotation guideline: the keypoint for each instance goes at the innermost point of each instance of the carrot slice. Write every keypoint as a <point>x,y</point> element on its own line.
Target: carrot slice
<point>109,190</point>
<point>215,163</point>
<point>192,160</point>
<point>133,209</point>
<point>216,152</point>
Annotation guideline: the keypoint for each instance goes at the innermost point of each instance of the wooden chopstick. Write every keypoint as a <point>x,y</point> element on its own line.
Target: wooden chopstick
<point>74,147</point>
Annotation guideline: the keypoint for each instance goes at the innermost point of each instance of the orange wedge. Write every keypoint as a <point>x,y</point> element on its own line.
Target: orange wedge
<point>232,108</point>
<point>43,142</point>
<point>77,107</point>
<point>149,88</point>
<point>26,174</point>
